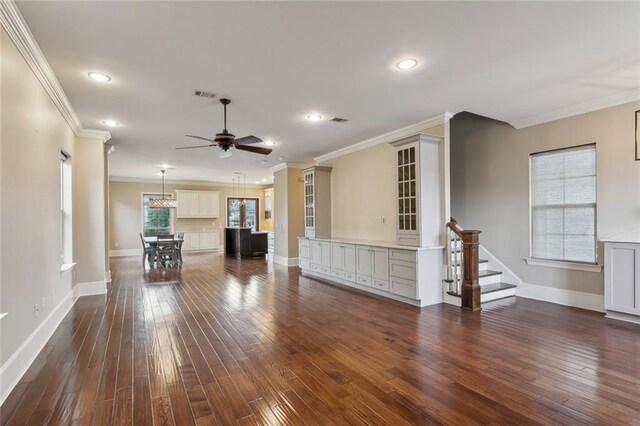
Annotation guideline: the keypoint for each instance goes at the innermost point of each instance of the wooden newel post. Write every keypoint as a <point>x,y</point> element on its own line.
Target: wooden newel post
<point>470,283</point>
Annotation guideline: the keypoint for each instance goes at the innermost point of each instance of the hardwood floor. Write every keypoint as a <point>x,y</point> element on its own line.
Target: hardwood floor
<point>226,342</point>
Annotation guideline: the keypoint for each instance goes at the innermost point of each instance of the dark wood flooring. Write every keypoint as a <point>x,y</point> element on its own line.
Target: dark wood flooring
<point>226,342</point>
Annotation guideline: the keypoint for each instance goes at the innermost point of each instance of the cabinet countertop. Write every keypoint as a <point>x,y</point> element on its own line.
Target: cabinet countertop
<point>363,242</point>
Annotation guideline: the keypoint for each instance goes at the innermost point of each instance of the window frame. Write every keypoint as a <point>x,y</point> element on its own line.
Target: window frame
<point>226,210</point>
<point>171,211</point>
<point>591,266</point>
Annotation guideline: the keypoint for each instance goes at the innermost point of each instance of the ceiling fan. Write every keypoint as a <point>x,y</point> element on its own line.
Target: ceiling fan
<point>226,140</point>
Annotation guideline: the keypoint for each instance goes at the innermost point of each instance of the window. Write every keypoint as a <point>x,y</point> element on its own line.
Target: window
<point>156,221</point>
<point>563,204</point>
<point>66,224</point>
<point>241,214</point>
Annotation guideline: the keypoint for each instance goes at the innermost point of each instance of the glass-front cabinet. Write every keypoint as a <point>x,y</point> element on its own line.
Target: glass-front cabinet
<point>419,206</point>
<point>317,202</point>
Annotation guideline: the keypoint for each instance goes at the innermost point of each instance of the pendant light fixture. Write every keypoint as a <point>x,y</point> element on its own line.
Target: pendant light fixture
<point>163,202</point>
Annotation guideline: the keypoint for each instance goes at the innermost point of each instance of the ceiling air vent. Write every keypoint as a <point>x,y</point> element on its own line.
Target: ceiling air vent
<point>339,120</point>
<point>203,94</point>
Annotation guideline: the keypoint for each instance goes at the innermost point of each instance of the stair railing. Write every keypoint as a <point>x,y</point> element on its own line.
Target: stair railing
<point>463,272</point>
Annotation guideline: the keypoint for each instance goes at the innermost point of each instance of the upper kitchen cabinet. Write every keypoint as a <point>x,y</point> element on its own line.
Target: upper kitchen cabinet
<point>317,202</point>
<point>198,204</point>
<point>419,200</point>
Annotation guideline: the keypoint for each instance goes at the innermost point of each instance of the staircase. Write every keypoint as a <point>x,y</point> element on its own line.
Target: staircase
<point>489,277</point>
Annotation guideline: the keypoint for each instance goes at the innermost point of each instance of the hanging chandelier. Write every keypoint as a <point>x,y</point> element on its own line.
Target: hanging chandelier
<point>163,202</point>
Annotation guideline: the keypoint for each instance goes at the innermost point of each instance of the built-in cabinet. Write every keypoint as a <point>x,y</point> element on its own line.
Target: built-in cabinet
<point>419,198</point>
<point>197,204</point>
<point>201,240</point>
<point>317,202</point>
<point>622,280</point>
<point>409,275</point>
<point>268,203</point>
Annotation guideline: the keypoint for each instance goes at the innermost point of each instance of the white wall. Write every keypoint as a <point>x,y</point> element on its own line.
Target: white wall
<point>490,184</point>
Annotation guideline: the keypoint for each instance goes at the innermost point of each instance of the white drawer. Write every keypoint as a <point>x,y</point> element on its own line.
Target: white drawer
<point>363,280</point>
<point>303,252</point>
<point>310,233</point>
<point>404,288</point>
<point>303,263</point>
<point>406,255</point>
<point>350,276</point>
<point>380,285</point>
<point>314,267</point>
<point>408,240</point>
<point>337,273</point>
<point>325,270</point>
<point>402,269</point>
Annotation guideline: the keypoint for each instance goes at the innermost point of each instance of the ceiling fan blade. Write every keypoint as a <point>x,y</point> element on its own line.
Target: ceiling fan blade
<point>246,140</point>
<point>199,146</point>
<point>255,149</point>
<point>200,137</point>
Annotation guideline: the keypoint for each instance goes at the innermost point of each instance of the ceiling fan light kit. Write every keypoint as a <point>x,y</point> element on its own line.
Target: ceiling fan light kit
<point>225,140</point>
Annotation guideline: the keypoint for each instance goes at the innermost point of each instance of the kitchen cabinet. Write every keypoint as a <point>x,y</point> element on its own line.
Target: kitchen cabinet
<point>201,240</point>
<point>197,204</point>
<point>317,202</point>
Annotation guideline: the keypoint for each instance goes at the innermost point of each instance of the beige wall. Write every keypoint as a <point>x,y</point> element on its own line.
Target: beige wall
<point>363,190</point>
<point>288,213</point>
<point>125,209</point>
<point>490,184</point>
<point>32,134</point>
<point>89,210</point>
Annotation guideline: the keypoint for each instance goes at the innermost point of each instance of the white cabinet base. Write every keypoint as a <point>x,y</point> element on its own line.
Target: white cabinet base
<point>623,317</point>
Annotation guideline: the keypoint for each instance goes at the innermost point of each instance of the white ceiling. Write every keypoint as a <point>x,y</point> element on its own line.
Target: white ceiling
<point>280,61</point>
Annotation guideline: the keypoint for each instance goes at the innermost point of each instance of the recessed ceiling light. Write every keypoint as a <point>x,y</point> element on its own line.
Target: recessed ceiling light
<point>110,123</point>
<point>257,182</point>
<point>314,117</point>
<point>406,64</point>
<point>263,162</point>
<point>98,76</point>
<point>264,180</point>
<point>269,143</point>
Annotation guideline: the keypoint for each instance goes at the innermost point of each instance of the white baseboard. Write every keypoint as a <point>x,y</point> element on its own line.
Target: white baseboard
<point>17,365</point>
<point>577,299</point>
<point>620,316</point>
<point>90,288</point>
<point>281,260</point>
<point>123,253</point>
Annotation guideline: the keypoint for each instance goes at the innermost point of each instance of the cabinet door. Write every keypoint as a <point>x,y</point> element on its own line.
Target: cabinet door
<point>208,204</point>
<point>337,256</point>
<point>622,277</point>
<point>208,240</point>
<point>191,241</point>
<point>316,252</point>
<point>188,204</point>
<point>326,254</point>
<point>380,263</point>
<point>349,255</point>
<point>363,261</point>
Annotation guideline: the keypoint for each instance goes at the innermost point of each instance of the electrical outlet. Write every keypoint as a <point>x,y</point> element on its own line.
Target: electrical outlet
<point>36,309</point>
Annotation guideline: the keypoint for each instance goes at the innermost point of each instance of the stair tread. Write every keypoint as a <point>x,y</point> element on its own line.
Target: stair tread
<point>479,261</point>
<point>489,273</point>
<point>490,288</point>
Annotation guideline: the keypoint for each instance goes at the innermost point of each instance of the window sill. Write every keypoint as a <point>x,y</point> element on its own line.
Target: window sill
<point>585,267</point>
<point>67,267</point>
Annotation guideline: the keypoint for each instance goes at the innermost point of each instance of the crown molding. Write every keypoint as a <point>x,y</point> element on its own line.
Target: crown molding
<point>103,135</point>
<point>283,166</point>
<point>184,182</point>
<point>582,108</point>
<point>388,137</point>
<point>18,31</point>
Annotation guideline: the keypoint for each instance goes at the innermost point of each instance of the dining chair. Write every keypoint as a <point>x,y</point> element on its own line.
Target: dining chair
<point>180,237</point>
<point>166,249</point>
<point>147,252</point>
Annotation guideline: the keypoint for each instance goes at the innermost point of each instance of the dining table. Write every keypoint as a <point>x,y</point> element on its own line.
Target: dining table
<point>153,242</point>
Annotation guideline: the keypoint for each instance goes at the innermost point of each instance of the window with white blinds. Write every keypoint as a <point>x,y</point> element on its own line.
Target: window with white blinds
<point>563,204</point>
